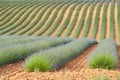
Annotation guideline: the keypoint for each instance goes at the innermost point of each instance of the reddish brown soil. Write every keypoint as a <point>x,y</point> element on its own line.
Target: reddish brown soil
<point>73,70</point>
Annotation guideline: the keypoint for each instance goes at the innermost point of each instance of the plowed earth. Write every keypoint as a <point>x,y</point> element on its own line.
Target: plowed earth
<point>23,27</point>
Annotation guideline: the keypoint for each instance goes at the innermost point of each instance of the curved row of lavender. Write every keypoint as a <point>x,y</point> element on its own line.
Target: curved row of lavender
<point>56,57</point>
<point>105,55</point>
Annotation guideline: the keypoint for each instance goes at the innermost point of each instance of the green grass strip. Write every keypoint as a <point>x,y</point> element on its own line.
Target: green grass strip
<point>51,30</point>
<point>96,22</point>
<point>8,24</point>
<point>75,19</point>
<point>112,35</point>
<point>36,27</point>
<point>20,22</point>
<point>44,20</point>
<point>118,6</point>
<point>52,19</point>
<point>80,24</point>
<point>88,23</point>
<point>67,19</point>
<point>7,21</point>
<point>104,20</point>
<point>13,31</point>
<point>11,12</point>
<point>101,78</point>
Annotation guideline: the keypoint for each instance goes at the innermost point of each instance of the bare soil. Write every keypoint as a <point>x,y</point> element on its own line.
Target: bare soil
<point>33,20</point>
<point>63,20</point>
<point>41,20</point>
<point>78,20</point>
<point>12,9</point>
<point>108,21</point>
<point>85,21</point>
<point>58,15</point>
<point>100,22</point>
<point>92,22</point>
<point>37,22</point>
<point>49,18</point>
<point>71,19</point>
<point>116,22</point>
<point>26,20</point>
<point>12,19</point>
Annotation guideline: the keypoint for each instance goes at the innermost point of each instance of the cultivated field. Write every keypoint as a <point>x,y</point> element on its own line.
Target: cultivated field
<point>46,39</point>
<point>98,19</point>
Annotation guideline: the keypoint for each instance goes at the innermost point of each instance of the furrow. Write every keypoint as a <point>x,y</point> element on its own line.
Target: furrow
<point>63,20</point>
<point>49,14</point>
<point>26,15</point>
<point>78,20</point>
<point>116,23</point>
<point>85,21</point>
<point>55,20</point>
<point>40,20</point>
<point>70,21</point>
<point>93,19</point>
<point>100,22</point>
<point>108,21</point>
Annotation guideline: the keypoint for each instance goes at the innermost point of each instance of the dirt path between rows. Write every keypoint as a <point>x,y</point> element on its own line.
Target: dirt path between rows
<point>6,16</point>
<point>26,19</point>
<point>93,19</point>
<point>78,20</point>
<point>19,18</point>
<point>12,19</point>
<point>108,21</point>
<point>78,71</point>
<point>79,62</point>
<point>100,22</point>
<point>34,20</point>
<point>42,19</point>
<point>63,20</point>
<point>49,18</point>
<point>85,21</point>
<point>57,17</point>
<point>71,19</point>
<point>32,13</point>
<point>116,22</point>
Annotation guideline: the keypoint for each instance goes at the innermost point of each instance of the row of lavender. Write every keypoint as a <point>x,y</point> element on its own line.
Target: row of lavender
<point>51,53</point>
